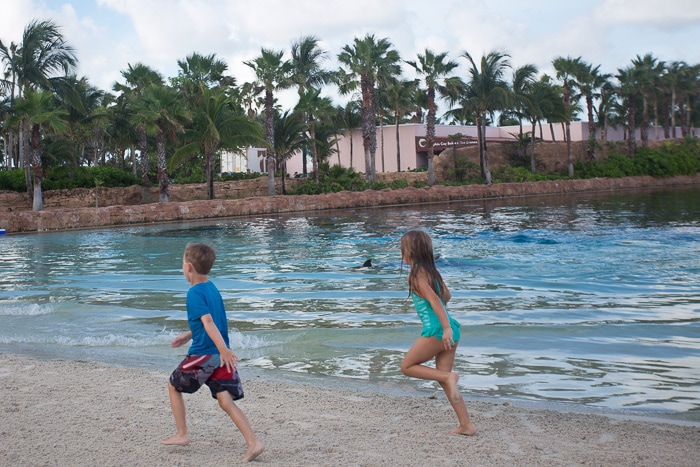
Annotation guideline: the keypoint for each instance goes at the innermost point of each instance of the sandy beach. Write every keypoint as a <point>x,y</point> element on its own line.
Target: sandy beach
<point>77,413</point>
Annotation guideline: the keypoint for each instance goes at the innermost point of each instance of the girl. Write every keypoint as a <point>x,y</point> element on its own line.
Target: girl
<point>440,334</point>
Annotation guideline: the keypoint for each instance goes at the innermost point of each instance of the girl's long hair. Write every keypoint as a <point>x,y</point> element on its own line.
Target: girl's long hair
<point>417,246</point>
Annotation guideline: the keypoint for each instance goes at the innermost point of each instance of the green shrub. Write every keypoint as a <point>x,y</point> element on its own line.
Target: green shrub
<point>506,174</point>
<point>231,176</point>
<point>12,180</point>
<point>62,178</point>
<point>332,180</point>
<point>667,161</point>
<point>464,170</point>
<point>614,166</point>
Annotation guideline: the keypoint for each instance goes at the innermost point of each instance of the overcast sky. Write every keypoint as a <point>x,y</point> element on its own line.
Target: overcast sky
<point>110,34</point>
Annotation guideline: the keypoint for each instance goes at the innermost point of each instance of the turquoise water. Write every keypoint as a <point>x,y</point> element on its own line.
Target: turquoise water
<point>591,300</point>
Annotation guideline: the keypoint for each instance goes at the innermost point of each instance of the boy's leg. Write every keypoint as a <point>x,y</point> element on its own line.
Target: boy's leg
<point>254,446</point>
<point>177,404</point>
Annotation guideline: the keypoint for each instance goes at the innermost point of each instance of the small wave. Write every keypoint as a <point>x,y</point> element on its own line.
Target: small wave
<point>30,309</point>
<point>247,342</point>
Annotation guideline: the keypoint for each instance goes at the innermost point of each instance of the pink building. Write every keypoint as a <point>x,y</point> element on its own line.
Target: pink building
<point>413,151</point>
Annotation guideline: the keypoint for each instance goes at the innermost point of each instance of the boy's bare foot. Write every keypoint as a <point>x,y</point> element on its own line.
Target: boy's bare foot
<point>464,430</point>
<point>176,440</point>
<point>253,452</point>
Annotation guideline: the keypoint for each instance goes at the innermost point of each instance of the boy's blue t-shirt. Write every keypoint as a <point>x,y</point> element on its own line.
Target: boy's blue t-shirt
<point>202,299</point>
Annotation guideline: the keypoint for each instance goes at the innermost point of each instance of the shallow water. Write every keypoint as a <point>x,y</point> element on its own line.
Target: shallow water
<point>590,300</point>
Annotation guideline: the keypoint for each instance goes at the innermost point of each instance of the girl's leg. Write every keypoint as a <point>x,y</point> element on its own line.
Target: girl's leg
<point>424,349</point>
<point>444,361</point>
<point>177,404</point>
<point>254,446</point>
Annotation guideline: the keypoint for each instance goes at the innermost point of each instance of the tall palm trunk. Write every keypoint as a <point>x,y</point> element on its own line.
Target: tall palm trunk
<point>480,143</point>
<point>483,151</point>
<point>369,128</point>
<point>25,156</point>
<point>398,145</point>
<point>431,135</point>
<point>487,167</point>
<point>381,133</point>
<point>270,132</point>
<point>569,152</point>
<point>631,119</point>
<point>209,167</point>
<point>314,150</point>
<point>591,125</point>
<point>644,131</point>
<point>37,168</point>
<point>162,168</point>
<point>533,165</point>
<point>143,149</point>
<point>673,113</point>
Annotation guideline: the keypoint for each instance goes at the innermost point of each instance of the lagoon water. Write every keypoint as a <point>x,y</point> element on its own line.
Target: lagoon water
<point>592,300</point>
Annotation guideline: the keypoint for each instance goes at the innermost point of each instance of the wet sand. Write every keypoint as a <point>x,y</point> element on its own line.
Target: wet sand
<point>77,413</point>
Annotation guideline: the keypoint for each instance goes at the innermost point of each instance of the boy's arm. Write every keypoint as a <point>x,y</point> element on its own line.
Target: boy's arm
<point>227,356</point>
<point>182,339</point>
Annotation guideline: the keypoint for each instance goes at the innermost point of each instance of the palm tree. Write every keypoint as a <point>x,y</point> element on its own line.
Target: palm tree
<point>523,77</point>
<point>41,61</point>
<point>590,81</point>
<point>486,92</point>
<point>37,109</point>
<point>648,71</point>
<point>542,98</point>
<point>306,73</point>
<point>314,108</point>
<point>628,89</point>
<point>567,70</point>
<point>272,74</point>
<point>436,70</point>
<point>289,140</point>
<point>218,126</point>
<point>607,104</point>
<point>673,78</point>
<point>198,70</point>
<point>369,61</point>
<point>163,111</point>
<point>401,98</point>
<point>138,78</point>
<point>306,70</point>
<point>87,119</point>
<point>349,117</point>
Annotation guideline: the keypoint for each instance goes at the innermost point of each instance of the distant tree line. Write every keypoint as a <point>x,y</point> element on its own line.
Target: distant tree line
<point>160,130</point>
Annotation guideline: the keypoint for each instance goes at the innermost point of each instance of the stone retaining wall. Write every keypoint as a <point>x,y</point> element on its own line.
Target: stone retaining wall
<point>77,218</point>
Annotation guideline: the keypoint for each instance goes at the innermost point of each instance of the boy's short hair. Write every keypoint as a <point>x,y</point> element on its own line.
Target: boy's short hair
<point>201,255</point>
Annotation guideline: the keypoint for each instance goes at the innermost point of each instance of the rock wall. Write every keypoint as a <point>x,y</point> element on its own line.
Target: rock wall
<point>133,195</point>
<point>83,217</point>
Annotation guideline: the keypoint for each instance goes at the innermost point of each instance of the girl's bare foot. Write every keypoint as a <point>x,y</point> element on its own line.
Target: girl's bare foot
<point>253,452</point>
<point>176,440</point>
<point>468,430</point>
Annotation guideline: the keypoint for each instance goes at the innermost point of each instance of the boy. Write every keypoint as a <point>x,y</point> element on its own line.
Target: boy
<point>209,360</point>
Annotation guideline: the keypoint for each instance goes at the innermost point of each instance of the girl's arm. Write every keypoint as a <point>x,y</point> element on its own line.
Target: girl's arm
<point>227,356</point>
<point>448,295</point>
<point>424,290</point>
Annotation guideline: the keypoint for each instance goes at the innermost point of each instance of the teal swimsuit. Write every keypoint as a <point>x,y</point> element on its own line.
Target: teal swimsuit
<point>431,323</point>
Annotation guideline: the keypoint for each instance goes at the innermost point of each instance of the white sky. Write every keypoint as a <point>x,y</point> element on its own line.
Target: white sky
<point>110,34</point>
